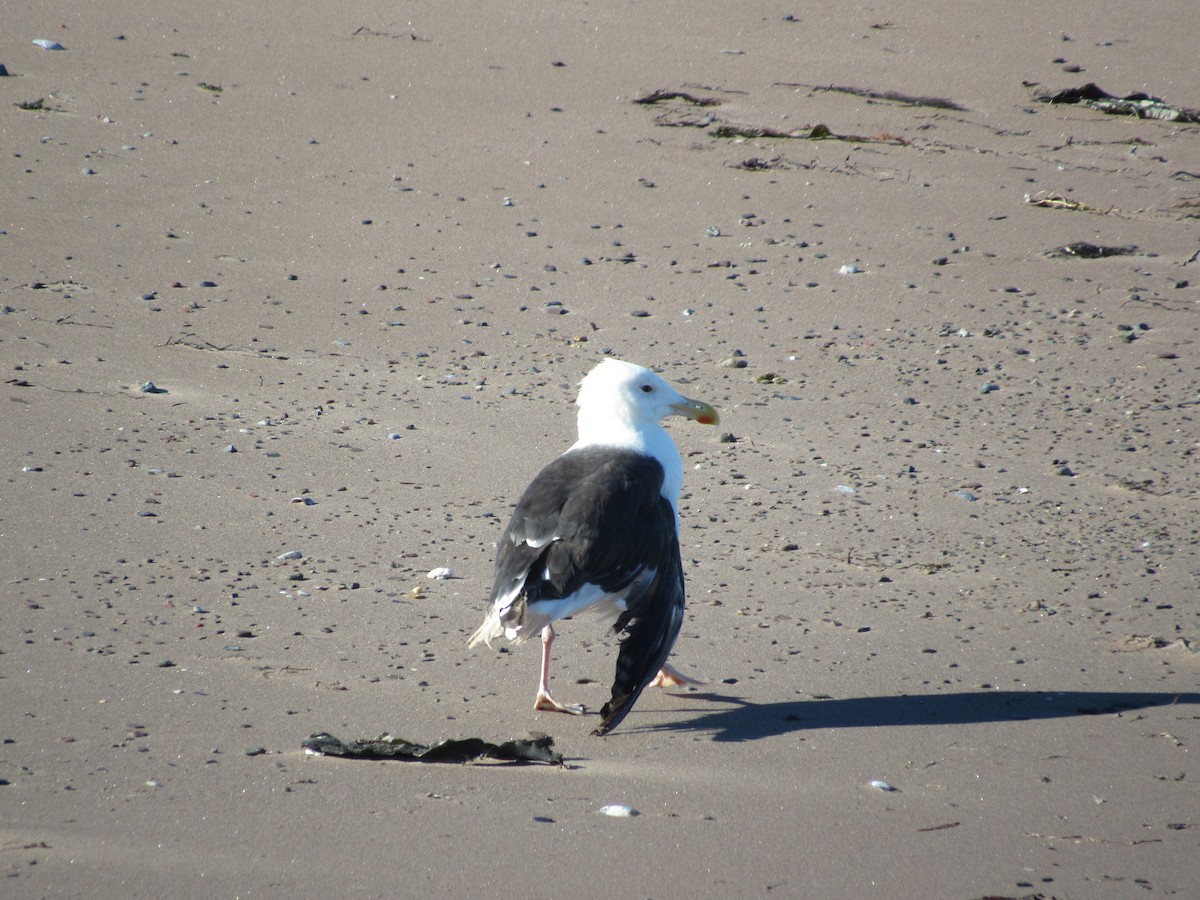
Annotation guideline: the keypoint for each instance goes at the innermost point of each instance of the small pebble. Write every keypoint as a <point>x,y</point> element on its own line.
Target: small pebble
<point>966,495</point>
<point>881,785</point>
<point>150,387</point>
<point>255,751</point>
<point>230,448</point>
<point>849,269</point>
<point>844,489</point>
<point>441,573</point>
<point>291,554</point>
<point>713,231</point>
<point>165,664</point>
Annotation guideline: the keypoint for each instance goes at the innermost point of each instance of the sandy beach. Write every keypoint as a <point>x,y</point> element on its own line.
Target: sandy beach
<point>295,300</point>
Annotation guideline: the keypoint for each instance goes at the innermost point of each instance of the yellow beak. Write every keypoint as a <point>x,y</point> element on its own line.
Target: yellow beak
<point>697,411</point>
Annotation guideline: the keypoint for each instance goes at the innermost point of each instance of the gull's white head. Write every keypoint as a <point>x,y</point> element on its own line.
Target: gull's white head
<point>621,403</point>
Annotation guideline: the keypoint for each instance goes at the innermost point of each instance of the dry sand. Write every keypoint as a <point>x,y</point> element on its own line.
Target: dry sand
<point>951,545</point>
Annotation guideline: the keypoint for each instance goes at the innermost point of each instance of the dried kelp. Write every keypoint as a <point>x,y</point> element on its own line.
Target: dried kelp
<point>1051,200</point>
<point>1138,104</point>
<point>1084,250</point>
<point>536,749</point>
<point>662,95</point>
<point>757,164</point>
<point>889,96</point>
<point>808,133</point>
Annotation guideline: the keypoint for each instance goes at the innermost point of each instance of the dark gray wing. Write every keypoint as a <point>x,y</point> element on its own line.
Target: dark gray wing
<point>592,516</point>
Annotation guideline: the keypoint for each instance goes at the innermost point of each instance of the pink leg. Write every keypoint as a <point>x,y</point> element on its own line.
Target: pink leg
<point>669,676</point>
<point>544,701</point>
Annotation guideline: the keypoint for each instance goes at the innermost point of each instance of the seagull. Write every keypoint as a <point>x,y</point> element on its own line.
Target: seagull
<point>599,528</point>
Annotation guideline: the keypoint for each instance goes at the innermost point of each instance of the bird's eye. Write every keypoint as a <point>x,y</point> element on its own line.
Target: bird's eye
<point>646,388</point>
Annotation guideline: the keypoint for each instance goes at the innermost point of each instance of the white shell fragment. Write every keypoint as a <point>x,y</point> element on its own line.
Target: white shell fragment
<point>291,554</point>
<point>47,44</point>
<point>881,785</point>
<point>618,811</point>
<point>441,573</point>
<point>849,269</point>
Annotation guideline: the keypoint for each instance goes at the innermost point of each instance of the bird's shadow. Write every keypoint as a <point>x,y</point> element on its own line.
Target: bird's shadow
<point>742,720</point>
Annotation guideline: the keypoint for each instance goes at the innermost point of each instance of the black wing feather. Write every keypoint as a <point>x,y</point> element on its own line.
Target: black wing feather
<point>651,625</point>
<point>573,508</point>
